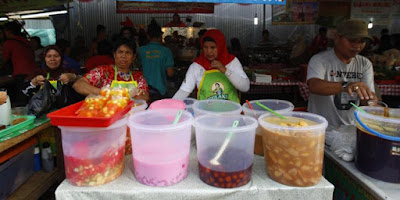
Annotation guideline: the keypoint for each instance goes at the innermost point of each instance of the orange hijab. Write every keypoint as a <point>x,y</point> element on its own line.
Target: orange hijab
<point>223,56</point>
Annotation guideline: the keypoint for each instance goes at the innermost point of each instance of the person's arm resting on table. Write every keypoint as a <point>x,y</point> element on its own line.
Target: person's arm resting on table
<point>83,87</point>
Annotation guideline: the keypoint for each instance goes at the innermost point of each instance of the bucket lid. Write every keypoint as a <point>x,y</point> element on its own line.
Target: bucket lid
<point>374,122</point>
<point>116,124</point>
<point>168,103</point>
<point>245,123</point>
<point>321,122</point>
<point>217,106</point>
<point>159,119</point>
<point>277,105</point>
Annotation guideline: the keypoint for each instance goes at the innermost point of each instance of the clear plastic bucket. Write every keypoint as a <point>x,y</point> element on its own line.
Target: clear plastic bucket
<point>160,149</point>
<point>222,107</point>
<point>294,155</point>
<point>279,106</point>
<point>93,156</point>
<point>225,153</point>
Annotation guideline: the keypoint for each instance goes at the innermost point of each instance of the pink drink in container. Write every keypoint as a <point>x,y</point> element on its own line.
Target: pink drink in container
<point>160,149</point>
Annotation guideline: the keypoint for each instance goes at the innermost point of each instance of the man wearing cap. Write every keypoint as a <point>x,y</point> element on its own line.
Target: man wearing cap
<point>337,75</point>
<point>157,62</point>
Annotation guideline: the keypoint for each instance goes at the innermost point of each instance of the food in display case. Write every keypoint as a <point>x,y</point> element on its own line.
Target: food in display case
<point>293,157</point>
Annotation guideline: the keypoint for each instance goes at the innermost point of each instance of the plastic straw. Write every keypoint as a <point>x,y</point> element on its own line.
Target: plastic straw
<point>177,117</point>
<point>270,110</point>
<point>358,108</point>
<point>249,104</point>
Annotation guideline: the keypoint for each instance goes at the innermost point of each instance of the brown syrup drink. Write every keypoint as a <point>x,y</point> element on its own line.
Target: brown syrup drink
<point>234,170</point>
<point>293,157</point>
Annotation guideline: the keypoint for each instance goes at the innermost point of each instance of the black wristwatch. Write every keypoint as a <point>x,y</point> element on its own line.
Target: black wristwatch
<point>344,85</point>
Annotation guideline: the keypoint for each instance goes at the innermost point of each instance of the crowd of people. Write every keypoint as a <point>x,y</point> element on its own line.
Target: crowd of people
<point>216,72</point>
<point>121,60</point>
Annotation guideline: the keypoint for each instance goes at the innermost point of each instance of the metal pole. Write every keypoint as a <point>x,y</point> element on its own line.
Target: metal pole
<point>263,20</point>
<point>69,23</point>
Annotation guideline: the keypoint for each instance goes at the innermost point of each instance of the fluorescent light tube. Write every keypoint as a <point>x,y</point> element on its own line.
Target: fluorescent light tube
<point>45,14</point>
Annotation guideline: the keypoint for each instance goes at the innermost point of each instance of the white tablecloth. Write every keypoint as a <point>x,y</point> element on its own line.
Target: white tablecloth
<point>260,187</point>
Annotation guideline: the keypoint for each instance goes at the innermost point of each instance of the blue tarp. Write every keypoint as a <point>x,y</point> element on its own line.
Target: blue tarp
<point>275,2</point>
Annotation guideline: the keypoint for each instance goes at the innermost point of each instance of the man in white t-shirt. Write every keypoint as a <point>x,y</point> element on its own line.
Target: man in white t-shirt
<point>339,76</point>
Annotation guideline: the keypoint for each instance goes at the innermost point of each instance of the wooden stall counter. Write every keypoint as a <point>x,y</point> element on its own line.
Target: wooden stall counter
<point>40,181</point>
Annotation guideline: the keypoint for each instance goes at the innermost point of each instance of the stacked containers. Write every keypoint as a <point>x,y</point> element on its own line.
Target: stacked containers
<point>94,156</point>
<point>225,153</point>
<point>294,147</point>
<point>160,149</point>
<point>279,106</point>
<point>223,107</point>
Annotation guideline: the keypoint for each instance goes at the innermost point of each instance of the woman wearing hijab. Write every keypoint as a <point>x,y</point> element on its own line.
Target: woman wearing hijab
<point>52,71</point>
<point>215,69</point>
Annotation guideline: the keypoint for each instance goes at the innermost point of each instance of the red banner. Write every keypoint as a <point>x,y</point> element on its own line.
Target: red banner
<point>163,7</point>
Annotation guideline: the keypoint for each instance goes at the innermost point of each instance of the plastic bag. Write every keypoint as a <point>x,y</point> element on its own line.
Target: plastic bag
<point>43,101</point>
<point>344,144</point>
<point>61,95</point>
<point>66,95</point>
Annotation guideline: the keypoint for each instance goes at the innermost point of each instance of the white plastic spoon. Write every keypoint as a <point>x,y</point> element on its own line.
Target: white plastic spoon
<point>214,161</point>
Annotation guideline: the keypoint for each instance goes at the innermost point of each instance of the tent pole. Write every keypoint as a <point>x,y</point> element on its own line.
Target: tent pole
<point>263,20</point>
<point>69,23</point>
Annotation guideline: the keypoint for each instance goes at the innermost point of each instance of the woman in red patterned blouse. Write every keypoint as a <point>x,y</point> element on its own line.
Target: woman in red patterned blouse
<point>124,54</point>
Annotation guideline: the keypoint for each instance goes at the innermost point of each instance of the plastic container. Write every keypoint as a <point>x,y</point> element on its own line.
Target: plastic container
<point>37,160</point>
<point>168,103</point>
<point>138,106</point>
<point>377,103</point>
<point>294,155</point>
<point>222,107</point>
<point>279,106</point>
<point>16,170</point>
<point>189,104</point>
<point>160,149</point>
<point>19,111</point>
<point>234,165</point>
<point>93,156</point>
<point>12,128</point>
<point>47,158</point>
<point>66,117</point>
<point>378,143</point>
<point>5,112</point>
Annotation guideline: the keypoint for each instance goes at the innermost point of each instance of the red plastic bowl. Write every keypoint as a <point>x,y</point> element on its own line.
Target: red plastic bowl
<point>67,117</point>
